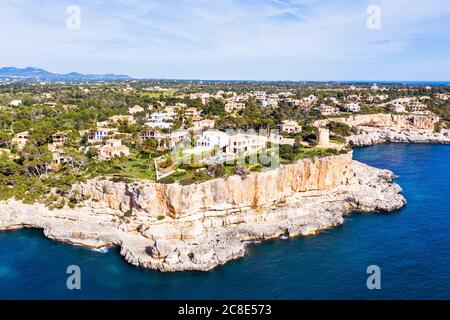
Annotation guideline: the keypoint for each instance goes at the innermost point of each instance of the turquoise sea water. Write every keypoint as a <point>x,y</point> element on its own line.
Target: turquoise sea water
<point>412,247</point>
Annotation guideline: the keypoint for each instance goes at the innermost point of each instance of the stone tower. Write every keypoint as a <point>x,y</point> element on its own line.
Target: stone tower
<point>323,139</point>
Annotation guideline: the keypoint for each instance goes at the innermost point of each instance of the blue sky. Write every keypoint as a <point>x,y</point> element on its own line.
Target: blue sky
<point>232,39</point>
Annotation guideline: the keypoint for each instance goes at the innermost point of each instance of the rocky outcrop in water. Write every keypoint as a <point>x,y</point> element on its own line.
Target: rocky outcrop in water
<point>198,227</point>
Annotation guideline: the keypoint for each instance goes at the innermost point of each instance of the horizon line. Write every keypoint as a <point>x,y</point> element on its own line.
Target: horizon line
<point>237,80</point>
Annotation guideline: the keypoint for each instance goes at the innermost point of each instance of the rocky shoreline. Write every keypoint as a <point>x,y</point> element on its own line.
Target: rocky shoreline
<point>392,128</point>
<point>208,224</point>
<point>368,136</point>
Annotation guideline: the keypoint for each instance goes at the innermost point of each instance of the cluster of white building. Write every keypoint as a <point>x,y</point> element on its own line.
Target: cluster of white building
<point>235,102</point>
<point>330,106</point>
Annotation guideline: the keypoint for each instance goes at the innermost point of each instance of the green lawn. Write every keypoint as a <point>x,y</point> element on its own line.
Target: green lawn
<point>140,169</point>
<point>131,168</point>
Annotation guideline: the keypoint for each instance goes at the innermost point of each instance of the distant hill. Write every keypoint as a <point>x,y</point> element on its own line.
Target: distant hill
<point>35,74</point>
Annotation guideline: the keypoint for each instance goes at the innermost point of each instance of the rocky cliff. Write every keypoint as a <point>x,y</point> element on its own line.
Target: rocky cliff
<point>256,191</point>
<point>387,120</point>
<point>367,136</point>
<point>198,227</point>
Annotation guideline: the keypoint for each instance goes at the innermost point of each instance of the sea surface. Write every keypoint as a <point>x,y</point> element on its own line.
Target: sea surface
<point>411,246</point>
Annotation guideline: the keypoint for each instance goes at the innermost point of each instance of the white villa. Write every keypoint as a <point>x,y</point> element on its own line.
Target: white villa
<point>399,105</point>
<point>240,144</point>
<point>102,133</point>
<point>353,97</point>
<point>236,145</point>
<point>327,110</point>
<point>376,98</point>
<point>161,125</point>
<point>418,107</point>
<point>310,99</point>
<point>59,157</point>
<point>442,96</point>
<point>192,112</point>
<point>290,126</point>
<point>291,102</point>
<point>278,140</point>
<point>112,148</point>
<point>396,107</point>
<point>259,95</point>
<point>214,139</point>
<point>166,141</point>
<point>234,106</point>
<point>272,101</point>
<point>59,139</point>
<point>203,124</point>
<point>352,107</point>
<point>135,109</point>
<point>15,103</point>
<point>21,139</point>
<point>103,124</point>
<point>332,100</point>
<point>122,118</point>
<point>204,97</point>
<point>161,120</point>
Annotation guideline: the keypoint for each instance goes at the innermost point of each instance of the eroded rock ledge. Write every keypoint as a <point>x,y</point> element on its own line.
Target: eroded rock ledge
<point>208,224</point>
<point>381,128</point>
<point>368,136</point>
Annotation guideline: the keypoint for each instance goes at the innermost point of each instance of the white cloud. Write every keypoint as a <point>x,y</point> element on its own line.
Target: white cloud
<point>239,39</point>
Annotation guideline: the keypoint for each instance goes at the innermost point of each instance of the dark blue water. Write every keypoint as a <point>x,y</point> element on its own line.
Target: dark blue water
<point>411,246</point>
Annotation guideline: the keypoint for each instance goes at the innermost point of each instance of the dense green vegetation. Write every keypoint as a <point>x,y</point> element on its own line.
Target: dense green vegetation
<point>290,154</point>
<point>442,110</point>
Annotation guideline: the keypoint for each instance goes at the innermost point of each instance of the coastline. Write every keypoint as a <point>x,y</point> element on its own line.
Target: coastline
<point>203,240</point>
<point>368,136</point>
<point>206,225</point>
<point>392,128</point>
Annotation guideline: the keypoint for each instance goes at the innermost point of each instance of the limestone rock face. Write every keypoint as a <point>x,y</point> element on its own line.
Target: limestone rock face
<point>218,220</point>
<point>392,121</point>
<point>260,190</point>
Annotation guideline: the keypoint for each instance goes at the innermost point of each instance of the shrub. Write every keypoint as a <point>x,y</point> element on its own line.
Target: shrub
<point>287,152</point>
<point>121,179</point>
<point>340,129</point>
<point>128,213</point>
<point>257,168</point>
<point>167,180</point>
<point>166,163</point>
<point>241,171</point>
<point>191,167</point>
<point>197,177</point>
<point>216,170</point>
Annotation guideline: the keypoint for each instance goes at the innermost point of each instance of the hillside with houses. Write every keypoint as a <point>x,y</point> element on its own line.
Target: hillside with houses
<point>55,134</point>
